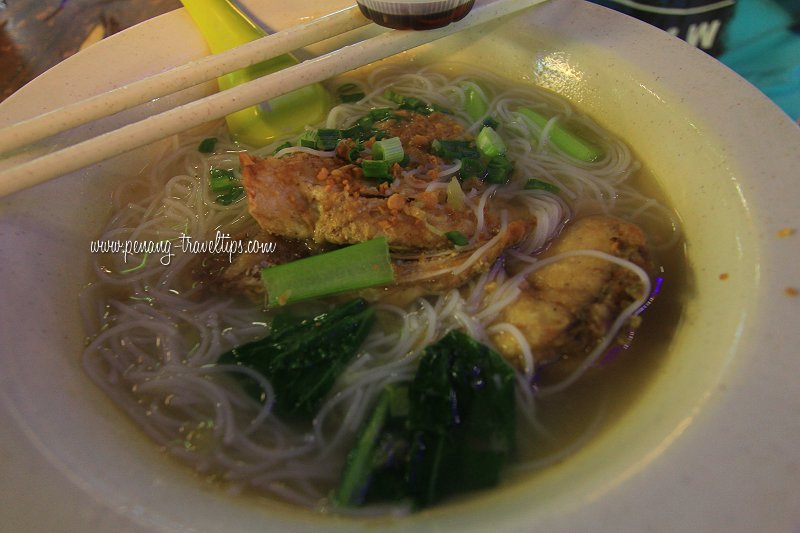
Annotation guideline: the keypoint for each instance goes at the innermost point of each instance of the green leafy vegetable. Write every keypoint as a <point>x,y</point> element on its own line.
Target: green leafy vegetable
<point>489,142</point>
<point>358,266</point>
<point>499,170</point>
<point>564,139</point>
<point>457,435</point>
<point>302,358</point>
<point>461,417</point>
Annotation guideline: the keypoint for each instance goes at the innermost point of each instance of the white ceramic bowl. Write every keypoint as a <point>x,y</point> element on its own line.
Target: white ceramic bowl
<point>710,445</point>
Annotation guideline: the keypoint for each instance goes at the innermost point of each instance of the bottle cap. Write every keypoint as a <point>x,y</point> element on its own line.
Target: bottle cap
<point>415,14</point>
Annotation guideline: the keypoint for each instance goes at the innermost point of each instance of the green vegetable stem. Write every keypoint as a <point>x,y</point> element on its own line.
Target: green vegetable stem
<point>564,139</point>
<point>358,266</point>
<point>375,467</point>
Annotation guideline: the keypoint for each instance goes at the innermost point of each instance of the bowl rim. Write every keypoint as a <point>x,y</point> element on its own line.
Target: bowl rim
<point>680,461</point>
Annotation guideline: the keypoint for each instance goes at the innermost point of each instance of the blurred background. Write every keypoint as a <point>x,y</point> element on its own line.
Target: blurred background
<point>37,34</point>
<point>759,39</point>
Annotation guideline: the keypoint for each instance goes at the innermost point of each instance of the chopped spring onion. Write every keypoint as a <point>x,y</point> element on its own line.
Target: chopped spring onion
<point>357,133</point>
<point>413,103</point>
<point>324,139</point>
<point>406,102</point>
<point>206,146</point>
<point>439,109</point>
<point>389,150</point>
<point>491,123</point>
<point>231,196</point>
<point>533,183</point>
<point>364,129</point>
<point>365,122</point>
<point>450,150</point>
<point>381,113</point>
<point>350,92</point>
<point>376,169</point>
<point>309,139</point>
<point>475,103</point>
<point>563,139</point>
<point>355,152</point>
<point>489,142</point>
<point>358,266</point>
<point>457,238</point>
<point>221,180</point>
<point>352,97</point>
<point>287,144</point>
<point>225,182</point>
<point>393,96</point>
<point>471,167</point>
<point>499,170</point>
<point>327,139</point>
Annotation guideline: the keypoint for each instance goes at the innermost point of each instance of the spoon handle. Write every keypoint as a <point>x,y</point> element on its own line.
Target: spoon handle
<point>224,26</point>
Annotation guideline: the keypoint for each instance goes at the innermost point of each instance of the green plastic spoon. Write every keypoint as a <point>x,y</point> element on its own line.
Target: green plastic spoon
<point>224,26</point>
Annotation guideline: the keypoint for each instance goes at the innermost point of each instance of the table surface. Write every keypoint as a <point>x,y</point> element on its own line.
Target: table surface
<point>37,34</point>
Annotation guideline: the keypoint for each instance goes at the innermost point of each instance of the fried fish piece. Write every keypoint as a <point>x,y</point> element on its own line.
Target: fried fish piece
<point>566,307</point>
<point>327,199</point>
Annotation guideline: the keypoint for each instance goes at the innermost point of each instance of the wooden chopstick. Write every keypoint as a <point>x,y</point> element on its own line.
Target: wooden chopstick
<point>178,78</point>
<point>218,105</point>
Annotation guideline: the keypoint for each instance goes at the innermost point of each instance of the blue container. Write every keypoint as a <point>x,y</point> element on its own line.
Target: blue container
<point>759,39</point>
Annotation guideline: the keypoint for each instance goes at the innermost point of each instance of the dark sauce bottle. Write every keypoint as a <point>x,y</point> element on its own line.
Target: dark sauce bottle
<point>415,15</point>
<point>701,23</point>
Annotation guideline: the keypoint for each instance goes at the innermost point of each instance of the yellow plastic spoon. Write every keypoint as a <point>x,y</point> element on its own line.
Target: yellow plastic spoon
<point>224,26</point>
